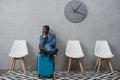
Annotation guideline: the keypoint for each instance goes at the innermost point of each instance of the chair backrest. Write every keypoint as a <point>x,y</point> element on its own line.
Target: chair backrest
<point>74,49</point>
<point>19,49</point>
<point>102,49</point>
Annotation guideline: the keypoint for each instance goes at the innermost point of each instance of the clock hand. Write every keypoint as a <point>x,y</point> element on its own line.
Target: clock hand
<point>80,13</point>
<point>73,9</point>
<point>78,7</point>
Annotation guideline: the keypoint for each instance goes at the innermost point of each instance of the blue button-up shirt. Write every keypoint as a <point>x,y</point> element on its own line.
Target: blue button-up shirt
<point>49,42</point>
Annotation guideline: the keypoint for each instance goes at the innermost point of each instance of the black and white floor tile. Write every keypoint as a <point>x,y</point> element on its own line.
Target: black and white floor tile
<point>61,75</point>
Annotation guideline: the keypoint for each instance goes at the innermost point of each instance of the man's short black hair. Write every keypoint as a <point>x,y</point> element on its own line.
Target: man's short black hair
<point>46,26</point>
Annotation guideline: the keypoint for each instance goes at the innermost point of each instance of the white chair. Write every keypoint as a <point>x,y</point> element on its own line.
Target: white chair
<point>103,52</point>
<point>74,51</point>
<point>18,52</point>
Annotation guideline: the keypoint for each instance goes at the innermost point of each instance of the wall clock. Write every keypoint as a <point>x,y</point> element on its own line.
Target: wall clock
<point>75,11</point>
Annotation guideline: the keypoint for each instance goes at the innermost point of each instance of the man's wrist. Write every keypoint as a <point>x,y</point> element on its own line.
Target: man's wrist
<point>44,36</point>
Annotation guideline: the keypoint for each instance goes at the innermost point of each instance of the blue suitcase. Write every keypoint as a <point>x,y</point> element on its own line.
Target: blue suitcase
<point>45,65</point>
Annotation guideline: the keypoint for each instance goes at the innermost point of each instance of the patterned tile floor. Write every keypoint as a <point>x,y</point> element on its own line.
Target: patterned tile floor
<point>61,75</point>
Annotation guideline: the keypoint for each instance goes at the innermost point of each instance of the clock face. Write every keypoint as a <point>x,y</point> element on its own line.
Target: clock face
<point>75,11</point>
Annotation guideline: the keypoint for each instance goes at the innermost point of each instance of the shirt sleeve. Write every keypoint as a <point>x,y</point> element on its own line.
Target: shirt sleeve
<point>53,42</point>
<point>42,40</point>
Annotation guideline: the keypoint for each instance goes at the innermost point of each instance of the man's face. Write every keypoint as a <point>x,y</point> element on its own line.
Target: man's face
<point>45,30</point>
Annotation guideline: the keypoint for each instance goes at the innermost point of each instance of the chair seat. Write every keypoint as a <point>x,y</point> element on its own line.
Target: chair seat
<point>75,56</point>
<point>105,56</point>
<point>17,55</point>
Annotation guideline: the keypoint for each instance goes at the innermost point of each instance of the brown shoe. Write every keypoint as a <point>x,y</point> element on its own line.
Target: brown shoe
<point>43,53</point>
<point>55,51</point>
<point>52,53</point>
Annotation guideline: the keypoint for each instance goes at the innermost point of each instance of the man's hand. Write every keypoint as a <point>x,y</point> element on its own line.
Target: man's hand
<point>44,34</point>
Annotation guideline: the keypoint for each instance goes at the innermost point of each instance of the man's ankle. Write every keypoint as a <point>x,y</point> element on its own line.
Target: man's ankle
<point>55,51</point>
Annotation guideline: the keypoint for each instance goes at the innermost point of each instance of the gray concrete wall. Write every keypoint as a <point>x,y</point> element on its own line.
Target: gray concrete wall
<point>23,19</point>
